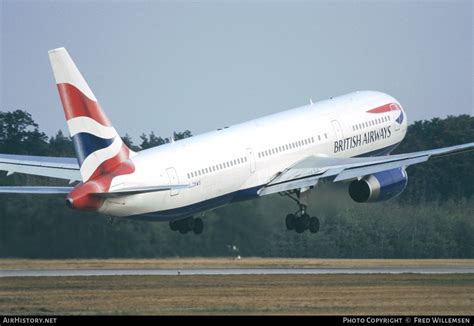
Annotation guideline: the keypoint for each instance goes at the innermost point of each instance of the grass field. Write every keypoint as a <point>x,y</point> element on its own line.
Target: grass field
<point>228,263</point>
<point>451,294</point>
<point>447,294</point>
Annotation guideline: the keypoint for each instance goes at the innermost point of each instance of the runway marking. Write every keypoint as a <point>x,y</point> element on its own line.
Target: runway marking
<point>233,271</point>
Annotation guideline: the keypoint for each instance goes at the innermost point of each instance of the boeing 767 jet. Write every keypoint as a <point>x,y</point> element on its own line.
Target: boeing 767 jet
<point>346,138</point>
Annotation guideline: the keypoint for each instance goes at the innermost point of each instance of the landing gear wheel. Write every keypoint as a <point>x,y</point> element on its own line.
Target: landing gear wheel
<point>189,222</point>
<point>183,229</point>
<point>187,225</point>
<point>305,221</point>
<point>198,226</point>
<point>174,225</point>
<point>290,221</point>
<point>299,228</point>
<point>314,224</point>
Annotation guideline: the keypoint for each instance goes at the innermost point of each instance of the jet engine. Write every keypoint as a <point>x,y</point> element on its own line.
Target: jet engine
<point>379,186</point>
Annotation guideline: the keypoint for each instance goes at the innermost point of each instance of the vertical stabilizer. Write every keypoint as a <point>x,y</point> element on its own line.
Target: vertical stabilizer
<point>99,149</point>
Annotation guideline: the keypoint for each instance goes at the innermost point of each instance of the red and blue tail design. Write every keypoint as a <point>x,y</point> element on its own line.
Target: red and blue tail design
<point>99,149</point>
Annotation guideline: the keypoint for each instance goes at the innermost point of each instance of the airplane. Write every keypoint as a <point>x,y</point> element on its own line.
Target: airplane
<point>346,138</point>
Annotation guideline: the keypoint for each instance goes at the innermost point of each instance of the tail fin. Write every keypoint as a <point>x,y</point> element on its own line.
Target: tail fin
<point>99,149</point>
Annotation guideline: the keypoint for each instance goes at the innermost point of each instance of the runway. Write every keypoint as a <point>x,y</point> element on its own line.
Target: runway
<point>233,271</point>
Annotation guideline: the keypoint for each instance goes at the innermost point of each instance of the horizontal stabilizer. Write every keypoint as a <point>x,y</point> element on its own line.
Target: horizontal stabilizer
<point>35,190</point>
<point>54,167</point>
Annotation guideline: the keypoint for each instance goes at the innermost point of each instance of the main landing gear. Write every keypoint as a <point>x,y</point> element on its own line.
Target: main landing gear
<point>186,225</point>
<point>300,220</point>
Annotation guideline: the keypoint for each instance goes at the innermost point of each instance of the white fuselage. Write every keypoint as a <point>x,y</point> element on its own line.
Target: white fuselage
<point>231,164</point>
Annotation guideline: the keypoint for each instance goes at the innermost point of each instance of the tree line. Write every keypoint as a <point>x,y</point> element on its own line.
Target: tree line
<point>433,218</point>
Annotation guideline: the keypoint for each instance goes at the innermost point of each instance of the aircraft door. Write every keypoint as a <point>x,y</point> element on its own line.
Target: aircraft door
<point>337,129</point>
<point>251,158</point>
<point>173,178</point>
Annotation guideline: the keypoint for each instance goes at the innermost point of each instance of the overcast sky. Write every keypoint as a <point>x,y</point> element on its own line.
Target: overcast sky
<point>164,66</point>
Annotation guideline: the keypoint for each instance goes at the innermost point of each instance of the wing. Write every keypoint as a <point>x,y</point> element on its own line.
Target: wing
<point>61,168</point>
<point>54,167</point>
<point>308,171</point>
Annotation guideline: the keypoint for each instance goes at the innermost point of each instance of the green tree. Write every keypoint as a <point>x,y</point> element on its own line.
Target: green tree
<point>60,145</point>
<point>19,134</point>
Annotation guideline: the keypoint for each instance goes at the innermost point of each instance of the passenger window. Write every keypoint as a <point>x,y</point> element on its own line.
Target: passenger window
<point>319,137</point>
<point>326,135</point>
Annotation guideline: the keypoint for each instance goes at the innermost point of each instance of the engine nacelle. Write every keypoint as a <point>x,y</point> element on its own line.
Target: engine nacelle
<point>379,186</point>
